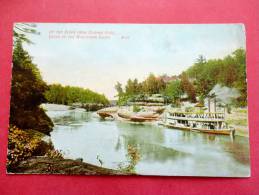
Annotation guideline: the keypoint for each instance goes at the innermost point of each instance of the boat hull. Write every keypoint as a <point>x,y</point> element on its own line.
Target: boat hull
<point>105,114</point>
<point>142,119</point>
<point>211,131</point>
<point>216,131</point>
<point>171,126</point>
<point>124,115</point>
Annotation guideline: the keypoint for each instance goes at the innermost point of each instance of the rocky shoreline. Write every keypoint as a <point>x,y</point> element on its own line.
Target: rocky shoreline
<point>46,165</point>
<point>31,152</point>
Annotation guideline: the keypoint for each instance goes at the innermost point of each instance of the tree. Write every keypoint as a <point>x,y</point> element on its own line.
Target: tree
<point>118,87</point>
<point>21,29</point>
<point>229,71</point>
<point>137,87</point>
<point>153,85</point>
<point>174,91</point>
<point>201,59</point>
<point>129,88</point>
<point>241,84</point>
<point>67,95</point>
<point>27,93</point>
<point>188,87</point>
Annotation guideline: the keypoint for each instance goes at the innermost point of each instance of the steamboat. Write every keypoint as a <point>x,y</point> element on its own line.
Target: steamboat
<point>210,122</point>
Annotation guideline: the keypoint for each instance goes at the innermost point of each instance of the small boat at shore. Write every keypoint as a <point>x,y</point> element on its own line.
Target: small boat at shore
<point>144,116</point>
<point>159,110</point>
<point>138,117</point>
<point>104,115</point>
<point>142,119</point>
<point>124,114</point>
<point>107,112</point>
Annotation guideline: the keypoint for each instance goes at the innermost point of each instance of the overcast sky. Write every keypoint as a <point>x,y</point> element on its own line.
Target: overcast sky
<point>132,51</point>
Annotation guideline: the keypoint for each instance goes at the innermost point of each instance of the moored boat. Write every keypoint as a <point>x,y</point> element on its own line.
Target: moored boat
<point>107,112</point>
<point>209,122</point>
<point>144,116</point>
<point>227,131</point>
<point>173,126</point>
<point>103,115</point>
<point>124,114</point>
<point>137,117</point>
<point>142,119</point>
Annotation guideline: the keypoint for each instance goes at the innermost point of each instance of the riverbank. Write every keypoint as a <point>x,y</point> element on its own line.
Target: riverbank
<point>30,151</point>
<point>133,148</point>
<point>238,118</point>
<point>46,165</point>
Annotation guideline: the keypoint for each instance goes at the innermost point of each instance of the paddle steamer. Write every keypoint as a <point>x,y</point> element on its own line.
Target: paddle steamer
<point>210,122</point>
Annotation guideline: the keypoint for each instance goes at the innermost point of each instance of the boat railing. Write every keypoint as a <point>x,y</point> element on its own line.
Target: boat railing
<point>208,115</point>
<point>197,119</point>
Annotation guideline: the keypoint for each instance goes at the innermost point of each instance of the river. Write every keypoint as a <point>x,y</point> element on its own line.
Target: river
<point>81,134</point>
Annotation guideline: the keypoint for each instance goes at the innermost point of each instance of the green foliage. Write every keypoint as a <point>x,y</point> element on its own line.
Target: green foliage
<point>67,95</point>
<point>119,89</point>
<point>238,121</point>
<point>189,109</point>
<point>229,71</point>
<point>133,87</point>
<point>122,100</point>
<point>21,29</point>
<point>21,145</point>
<point>136,108</point>
<point>153,85</point>
<point>135,90</point>
<point>133,156</point>
<point>54,154</point>
<point>174,91</point>
<point>27,93</point>
<point>196,81</point>
<point>188,87</point>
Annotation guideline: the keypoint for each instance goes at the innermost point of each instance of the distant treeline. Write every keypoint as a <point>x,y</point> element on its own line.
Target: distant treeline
<point>172,91</point>
<point>196,81</point>
<point>135,90</point>
<point>67,95</point>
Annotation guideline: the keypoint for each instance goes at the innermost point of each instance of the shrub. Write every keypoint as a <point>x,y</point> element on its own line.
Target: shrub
<point>133,156</point>
<point>21,145</point>
<point>136,108</point>
<point>54,154</point>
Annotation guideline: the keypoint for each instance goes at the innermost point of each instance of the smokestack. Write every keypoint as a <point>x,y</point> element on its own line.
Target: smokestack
<point>209,103</point>
<point>215,105</point>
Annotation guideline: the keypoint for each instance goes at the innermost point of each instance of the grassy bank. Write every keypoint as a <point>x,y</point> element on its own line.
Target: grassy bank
<point>239,120</point>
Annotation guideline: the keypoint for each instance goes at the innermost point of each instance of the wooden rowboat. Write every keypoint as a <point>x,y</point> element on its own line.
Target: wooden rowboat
<point>103,115</point>
<point>142,119</point>
<point>124,115</point>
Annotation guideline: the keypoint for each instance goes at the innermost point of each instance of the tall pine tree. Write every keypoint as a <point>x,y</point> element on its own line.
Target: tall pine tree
<point>27,93</point>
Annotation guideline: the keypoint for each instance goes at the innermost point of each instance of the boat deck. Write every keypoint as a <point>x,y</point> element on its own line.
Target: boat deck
<point>197,119</point>
<point>225,131</point>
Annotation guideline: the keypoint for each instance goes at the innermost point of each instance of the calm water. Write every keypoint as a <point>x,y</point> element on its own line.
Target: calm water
<point>81,134</point>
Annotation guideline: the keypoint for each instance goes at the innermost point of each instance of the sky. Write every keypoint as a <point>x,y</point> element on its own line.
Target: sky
<point>96,56</point>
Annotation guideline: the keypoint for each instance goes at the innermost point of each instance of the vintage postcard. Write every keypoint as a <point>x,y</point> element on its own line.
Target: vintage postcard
<point>129,99</point>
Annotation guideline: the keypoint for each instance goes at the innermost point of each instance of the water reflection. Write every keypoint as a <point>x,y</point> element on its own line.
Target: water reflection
<point>149,140</point>
<point>164,151</point>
